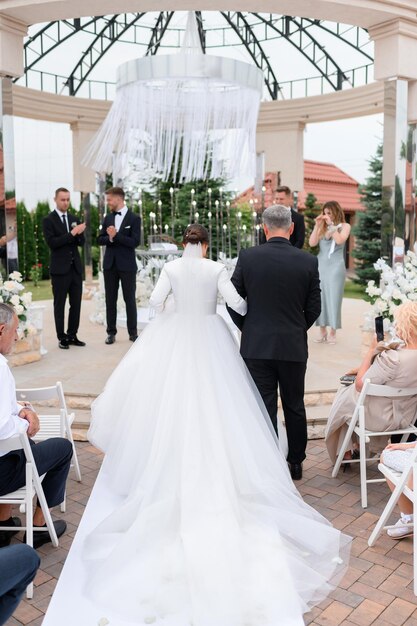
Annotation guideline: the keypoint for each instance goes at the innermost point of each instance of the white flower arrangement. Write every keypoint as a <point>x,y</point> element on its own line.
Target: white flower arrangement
<point>396,285</point>
<point>11,293</point>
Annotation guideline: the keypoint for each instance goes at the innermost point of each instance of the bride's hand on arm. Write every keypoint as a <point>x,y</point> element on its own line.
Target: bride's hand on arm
<point>230,294</point>
<point>161,291</point>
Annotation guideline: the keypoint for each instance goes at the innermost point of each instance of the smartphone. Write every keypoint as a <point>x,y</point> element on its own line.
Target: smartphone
<point>379,328</point>
<point>347,379</point>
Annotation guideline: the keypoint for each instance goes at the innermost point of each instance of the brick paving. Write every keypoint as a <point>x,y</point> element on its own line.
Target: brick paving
<point>377,589</point>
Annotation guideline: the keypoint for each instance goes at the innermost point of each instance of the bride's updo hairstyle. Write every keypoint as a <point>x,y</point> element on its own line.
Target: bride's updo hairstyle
<point>194,234</point>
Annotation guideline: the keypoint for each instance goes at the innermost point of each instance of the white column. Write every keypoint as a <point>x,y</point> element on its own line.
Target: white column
<point>283,146</point>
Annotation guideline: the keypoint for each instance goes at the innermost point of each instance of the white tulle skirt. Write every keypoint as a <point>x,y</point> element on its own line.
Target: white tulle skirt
<point>210,530</point>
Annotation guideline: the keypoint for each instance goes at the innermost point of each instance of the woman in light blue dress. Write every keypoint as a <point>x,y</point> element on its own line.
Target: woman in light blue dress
<point>331,233</point>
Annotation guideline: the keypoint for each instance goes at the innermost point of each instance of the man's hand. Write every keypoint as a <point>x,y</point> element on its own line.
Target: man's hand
<point>32,418</point>
<point>78,229</point>
<point>111,231</point>
<point>3,240</point>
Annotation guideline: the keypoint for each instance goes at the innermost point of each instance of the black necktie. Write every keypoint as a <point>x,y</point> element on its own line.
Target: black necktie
<point>117,212</point>
<point>64,221</point>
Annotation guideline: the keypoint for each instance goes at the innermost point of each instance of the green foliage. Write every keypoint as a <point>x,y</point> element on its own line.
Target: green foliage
<point>41,247</point>
<point>312,209</point>
<point>367,230</point>
<point>26,240</point>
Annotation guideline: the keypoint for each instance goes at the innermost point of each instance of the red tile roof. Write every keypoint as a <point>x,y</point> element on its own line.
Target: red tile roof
<point>325,180</point>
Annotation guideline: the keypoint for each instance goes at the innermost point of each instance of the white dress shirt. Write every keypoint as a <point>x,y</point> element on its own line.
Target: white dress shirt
<point>10,422</point>
<point>118,219</point>
<point>61,215</point>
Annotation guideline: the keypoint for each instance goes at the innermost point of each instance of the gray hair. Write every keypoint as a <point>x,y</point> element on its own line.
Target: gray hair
<point>277,217</point>
<point>7,314</point>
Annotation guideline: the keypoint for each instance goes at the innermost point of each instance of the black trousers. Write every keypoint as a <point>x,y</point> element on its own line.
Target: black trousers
<point>63,285</point>
<point>18,565</point>
<point>289,376</point>
<point>52,458</point>
<point>112,278</point>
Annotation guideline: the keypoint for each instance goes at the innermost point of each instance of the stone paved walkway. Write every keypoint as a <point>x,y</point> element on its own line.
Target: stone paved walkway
<point>377,589</point>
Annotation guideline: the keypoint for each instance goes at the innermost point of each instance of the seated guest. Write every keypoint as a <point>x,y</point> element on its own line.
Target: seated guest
<point>397,457</point>
<point>393,364</point>
<point>52,457</point>
<point>18,566</point>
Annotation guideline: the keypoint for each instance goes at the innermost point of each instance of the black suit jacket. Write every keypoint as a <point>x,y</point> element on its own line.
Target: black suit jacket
<point>298,235</point>
<point>121,251</point>
<point>282,287</point>
<point>63,246</point>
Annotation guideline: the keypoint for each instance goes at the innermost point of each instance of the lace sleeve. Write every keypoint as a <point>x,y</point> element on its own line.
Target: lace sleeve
<point>161,291</point>
<point>229,293</point>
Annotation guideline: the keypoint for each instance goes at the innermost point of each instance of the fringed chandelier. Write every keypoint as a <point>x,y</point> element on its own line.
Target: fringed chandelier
<point>183,116</point>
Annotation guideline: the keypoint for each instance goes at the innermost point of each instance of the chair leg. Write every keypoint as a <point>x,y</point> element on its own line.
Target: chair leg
<point>63,505</point>
<point>414,539</point>
<point>390,506</point>
<point>344,447</point>
<point>76,464</point>
<point>362,465</point>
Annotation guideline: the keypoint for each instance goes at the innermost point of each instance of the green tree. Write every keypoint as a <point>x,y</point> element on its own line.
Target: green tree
<point>367,230</point>
<point>26,240</point>
<point>41,247</point>
<point>312,209</point>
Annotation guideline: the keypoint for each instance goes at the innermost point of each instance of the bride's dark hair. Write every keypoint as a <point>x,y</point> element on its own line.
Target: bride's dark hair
<point>195,233</point>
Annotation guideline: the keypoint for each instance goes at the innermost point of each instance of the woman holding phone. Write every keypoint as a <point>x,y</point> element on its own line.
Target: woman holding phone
<point>393,364</point>
<point>330,233</point>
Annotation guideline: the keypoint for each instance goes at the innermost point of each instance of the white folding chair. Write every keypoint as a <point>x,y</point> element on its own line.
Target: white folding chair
<point>400,480</point>
<point>24,496</point>
<point>58,425</point>
<point>357,425</point>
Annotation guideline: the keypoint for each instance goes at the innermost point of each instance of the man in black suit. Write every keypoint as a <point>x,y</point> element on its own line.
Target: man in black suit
<point>120,233</point>
<point>283,197</point>
<point>282,287</point>
<point>64,233</point>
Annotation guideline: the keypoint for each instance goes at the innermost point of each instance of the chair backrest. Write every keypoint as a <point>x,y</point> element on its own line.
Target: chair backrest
<point>10,444</point>
<point>43,394</point>
<point>19,442</point>
<point>385,391</point>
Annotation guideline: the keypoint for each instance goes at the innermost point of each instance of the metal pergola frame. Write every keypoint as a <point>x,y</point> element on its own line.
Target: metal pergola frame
<point>296,31</point>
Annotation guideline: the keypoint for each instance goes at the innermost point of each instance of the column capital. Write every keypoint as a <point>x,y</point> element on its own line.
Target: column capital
<point>12,33</point>
<point>395,49</point>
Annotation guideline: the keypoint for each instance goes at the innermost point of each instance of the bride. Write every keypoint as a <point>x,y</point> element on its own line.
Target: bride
<point>210,530</point>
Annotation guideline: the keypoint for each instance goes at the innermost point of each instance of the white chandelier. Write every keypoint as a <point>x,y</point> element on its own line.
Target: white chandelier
<point>184,116</point>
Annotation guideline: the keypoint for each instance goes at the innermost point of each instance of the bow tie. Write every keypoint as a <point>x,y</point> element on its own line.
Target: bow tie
<point>117,212</point>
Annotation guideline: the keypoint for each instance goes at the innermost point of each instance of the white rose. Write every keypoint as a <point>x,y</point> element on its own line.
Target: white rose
<point>26,298</point>
<point>16,276</point>
<point>9,285</point>
<point>15,300</point>
<point>396,294</point>
<point>19,309</point>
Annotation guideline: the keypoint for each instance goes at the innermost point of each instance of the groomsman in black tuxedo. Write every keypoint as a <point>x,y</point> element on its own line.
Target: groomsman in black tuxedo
<point>284,197</point>
<point>120,233</point>
<point>64,233</point>
<point>282,287</point>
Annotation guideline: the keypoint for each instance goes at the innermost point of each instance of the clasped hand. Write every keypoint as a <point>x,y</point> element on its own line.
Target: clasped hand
<point>323,218</point>
<point>111,231</point>
<point>30,416</point>
<point>78,229</point>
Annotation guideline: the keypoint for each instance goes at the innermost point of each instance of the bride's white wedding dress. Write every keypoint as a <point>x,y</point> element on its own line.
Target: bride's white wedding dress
<point>210,530</point>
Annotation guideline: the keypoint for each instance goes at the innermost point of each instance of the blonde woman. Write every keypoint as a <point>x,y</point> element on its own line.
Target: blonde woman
<point>395,365</point>
<point>330,233</point>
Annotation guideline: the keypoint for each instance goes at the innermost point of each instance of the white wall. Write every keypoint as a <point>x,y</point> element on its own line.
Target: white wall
<point>43,157</point>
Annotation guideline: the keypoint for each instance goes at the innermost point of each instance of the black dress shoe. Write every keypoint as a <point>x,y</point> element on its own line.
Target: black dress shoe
<point>133,337</point>
<point>74,341</point>
<point>63,344</point>
<point>296,470</point>
<point>110,339</point>
<point>6,535</point>
<point>42,537</point>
